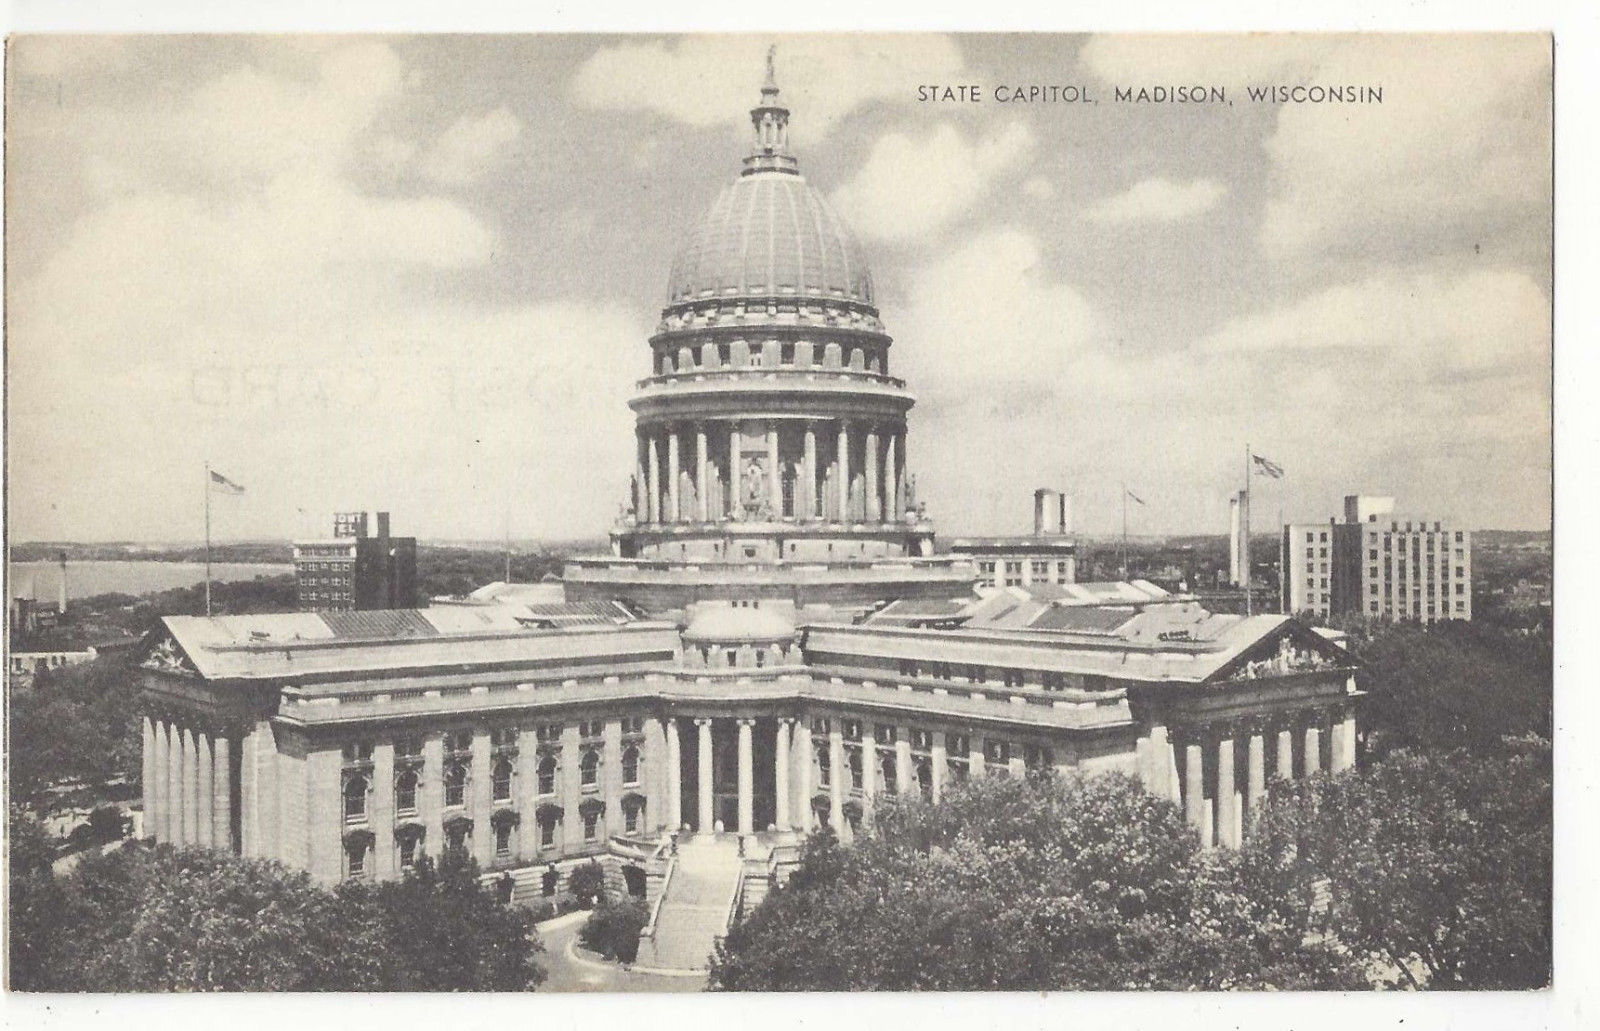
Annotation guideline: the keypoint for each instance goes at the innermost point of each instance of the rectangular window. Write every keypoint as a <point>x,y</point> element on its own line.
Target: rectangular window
<point>591,825</point>
<point>502,841</point>
<point>1013,678</point>
<point>408,852</point>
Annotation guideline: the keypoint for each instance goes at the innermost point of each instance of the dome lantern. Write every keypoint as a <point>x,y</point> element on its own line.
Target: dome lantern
<point>771,122</point>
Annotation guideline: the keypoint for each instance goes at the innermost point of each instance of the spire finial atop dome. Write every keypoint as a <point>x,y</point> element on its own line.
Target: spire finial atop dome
<point>771,121</point>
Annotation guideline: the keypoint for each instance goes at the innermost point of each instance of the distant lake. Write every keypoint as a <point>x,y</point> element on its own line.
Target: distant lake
<point>42,579</point>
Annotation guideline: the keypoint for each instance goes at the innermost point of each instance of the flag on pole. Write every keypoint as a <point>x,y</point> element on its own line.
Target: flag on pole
<point>223,485</point>
<point>1135,497</point>
<point>1267,467</point>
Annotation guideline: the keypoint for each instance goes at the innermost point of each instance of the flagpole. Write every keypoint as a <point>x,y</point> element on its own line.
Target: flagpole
<point>208,537</point>
<point>1245,531</point>
<point>1124,531</point>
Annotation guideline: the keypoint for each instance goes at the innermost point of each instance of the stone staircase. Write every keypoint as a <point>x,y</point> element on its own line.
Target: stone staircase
<point>694,911</point>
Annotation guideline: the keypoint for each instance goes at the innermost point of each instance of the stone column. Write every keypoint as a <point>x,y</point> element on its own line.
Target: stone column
<point>203,790</point>
<point>1344,754</point>
<point>869,771</point>
<point>571,787</point>
<point>844,471</point>
<point>674,812</point>
<point>836,781</point>
<point>1255,776</point>
<point>653,453</point>
<point>810,472</point>
<point>707,808</point>
<point>774,472</point>
<point>702,504</point>
<point>385,862</point>
<point>975,759</point>
<point>1285,754</point>
<point>734,470</point>
<point>780,771</point>
<point>480,798</point>
<point>940,757</point>
<point>149,787</point>
<point>905,782</point>
<point>174,795</point>
<point>430,795</point>
<point>802,753</point>
<point>872,508</point>
<point>611,775</point>
<point>641,501</point>
<point>1194,787</point>
<point>746,777</point>
<point>891,483</point>
<point>1227,800</point>
<point>1313,756</point>
<point>189,787</point>
<point>674,510</point>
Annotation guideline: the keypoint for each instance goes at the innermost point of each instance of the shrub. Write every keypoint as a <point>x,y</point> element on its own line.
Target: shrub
<point>587,882</point>
<point>613,928</point>
<point>566,902</point>
<point>541,909</point>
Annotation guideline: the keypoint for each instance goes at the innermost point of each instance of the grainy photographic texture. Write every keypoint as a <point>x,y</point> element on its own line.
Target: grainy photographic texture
<point>779,513</point>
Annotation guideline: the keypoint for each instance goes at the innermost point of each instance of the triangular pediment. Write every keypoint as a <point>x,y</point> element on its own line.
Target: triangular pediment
<point>162,652</point>
<point>1290,648</point>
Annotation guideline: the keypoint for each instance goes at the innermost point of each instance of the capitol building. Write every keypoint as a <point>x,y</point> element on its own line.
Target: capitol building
<point>773,644</point>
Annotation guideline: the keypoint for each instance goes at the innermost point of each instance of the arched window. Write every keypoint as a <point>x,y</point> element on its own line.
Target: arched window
<point>547,775</point>
<point>455,784</point>
<point>355,797</point>
<point>589,768</point>
<point>405,792</point>
<point>502,780</point>
<point>630,765</point>
<point>356,848</point>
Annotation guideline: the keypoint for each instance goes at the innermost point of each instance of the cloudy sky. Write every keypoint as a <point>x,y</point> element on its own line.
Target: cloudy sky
<point>419,273</point>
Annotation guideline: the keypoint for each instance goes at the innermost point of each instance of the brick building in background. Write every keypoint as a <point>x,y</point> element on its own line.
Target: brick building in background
<point>353,570</point>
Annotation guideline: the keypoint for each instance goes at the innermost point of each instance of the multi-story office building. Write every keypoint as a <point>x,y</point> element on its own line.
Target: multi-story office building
<point>1379,565</point>
<point>352,570</point>
<point>1049,556</point>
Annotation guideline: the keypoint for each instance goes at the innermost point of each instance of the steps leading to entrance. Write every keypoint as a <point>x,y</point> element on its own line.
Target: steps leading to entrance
<point>694,912</point>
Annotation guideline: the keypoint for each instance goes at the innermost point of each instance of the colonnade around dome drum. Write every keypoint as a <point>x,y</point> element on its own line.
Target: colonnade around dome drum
<point>791,468</point>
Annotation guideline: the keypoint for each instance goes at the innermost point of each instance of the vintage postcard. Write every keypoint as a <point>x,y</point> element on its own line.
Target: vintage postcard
<point>779,512</point>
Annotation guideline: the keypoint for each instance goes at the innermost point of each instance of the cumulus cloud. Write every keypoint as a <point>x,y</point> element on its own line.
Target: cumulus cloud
<point>238,297</point>
<point>466,150</point>
<point>914,185</point>
<point>1473,320</point>
<point>714,79</point>
<point>1462,134</point>
<point>1158,200</point>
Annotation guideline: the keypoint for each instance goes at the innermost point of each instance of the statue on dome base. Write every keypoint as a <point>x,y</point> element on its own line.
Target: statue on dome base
<point>757,505</point>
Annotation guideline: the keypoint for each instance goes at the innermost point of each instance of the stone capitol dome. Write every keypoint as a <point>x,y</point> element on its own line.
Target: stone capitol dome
<point>771,438</point>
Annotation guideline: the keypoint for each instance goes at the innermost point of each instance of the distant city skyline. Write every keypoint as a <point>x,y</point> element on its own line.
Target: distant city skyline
<point>419,273</point>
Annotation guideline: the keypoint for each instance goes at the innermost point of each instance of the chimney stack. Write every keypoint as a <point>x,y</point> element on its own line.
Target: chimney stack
<point>61,591</point>
<point>383,526</point>
<point>1039,497</point>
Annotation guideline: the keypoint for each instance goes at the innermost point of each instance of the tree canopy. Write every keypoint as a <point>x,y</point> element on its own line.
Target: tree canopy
<point>155,918</point>
<point>1044,883</point>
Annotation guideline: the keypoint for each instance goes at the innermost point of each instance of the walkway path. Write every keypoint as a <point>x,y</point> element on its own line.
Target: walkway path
<point>695,911</point>
<point>574,970</point>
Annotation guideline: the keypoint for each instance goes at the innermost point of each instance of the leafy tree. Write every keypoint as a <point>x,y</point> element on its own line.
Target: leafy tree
<point>35,903</point>
<point>1437,866</point>
<point>156,918</point>
<point>613,928</point>
<point>1452,685</point>
<point>79,723</point>
<point>444,931</point>
<point>1044,883</point>
<point>587,882</point>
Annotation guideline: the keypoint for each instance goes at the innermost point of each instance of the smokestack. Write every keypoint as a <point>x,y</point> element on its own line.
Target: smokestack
<point>1038,510</point>
<point>61,591</point>
<point>383,526</point>
<point>1233,540</point>
<point>1063,513</point>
